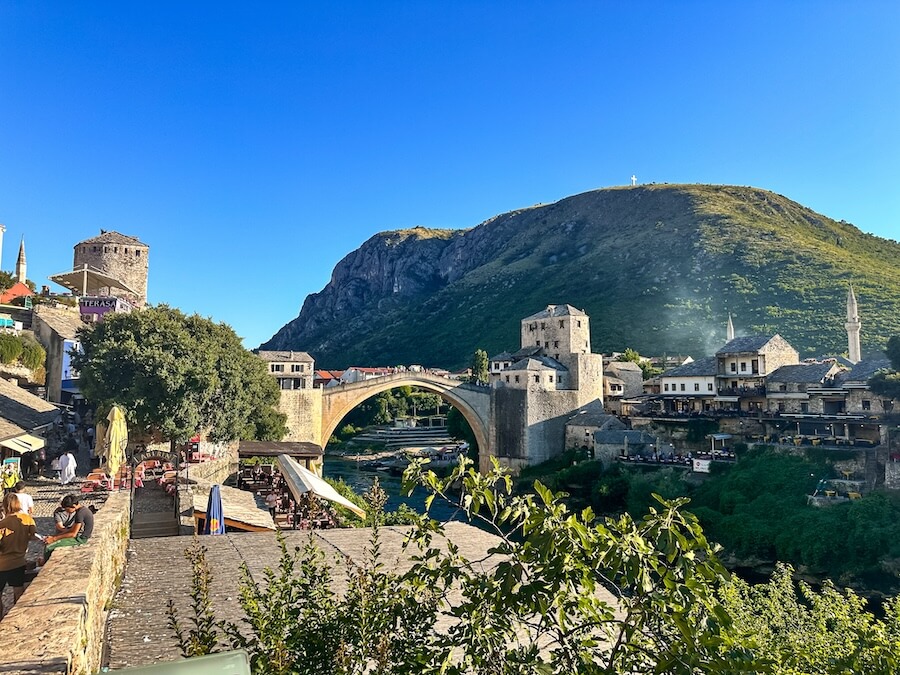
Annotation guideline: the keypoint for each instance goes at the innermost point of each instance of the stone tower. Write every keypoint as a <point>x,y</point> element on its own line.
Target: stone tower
<point>20,262</point>
<point>729,329</point>
<point>119,256</point>
<point>853,325</point>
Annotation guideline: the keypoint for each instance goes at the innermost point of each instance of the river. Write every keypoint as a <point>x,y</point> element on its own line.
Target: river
<point>340,467</point>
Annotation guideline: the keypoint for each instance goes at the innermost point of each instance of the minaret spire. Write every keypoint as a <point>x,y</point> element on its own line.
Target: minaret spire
<point>853,325</point>
<point>20,262</point>
<point>729,329</point>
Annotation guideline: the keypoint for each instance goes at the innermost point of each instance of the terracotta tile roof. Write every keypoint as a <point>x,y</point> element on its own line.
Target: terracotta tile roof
<point>17,290</point>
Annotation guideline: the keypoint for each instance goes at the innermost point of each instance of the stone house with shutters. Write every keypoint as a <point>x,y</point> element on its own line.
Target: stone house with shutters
<point>742,366</point>
<point>792,389</point>
<point>299,401</point>
<point>691,387</point>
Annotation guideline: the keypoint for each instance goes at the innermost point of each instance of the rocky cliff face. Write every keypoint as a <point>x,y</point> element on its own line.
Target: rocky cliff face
<point>656,267</point>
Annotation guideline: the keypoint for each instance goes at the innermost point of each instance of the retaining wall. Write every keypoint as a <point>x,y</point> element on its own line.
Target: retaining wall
<point>58,624</point>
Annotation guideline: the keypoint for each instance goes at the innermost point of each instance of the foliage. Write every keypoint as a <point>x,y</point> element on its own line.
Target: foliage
<point>886,383</point>
<point>33,354</point>
<point>294,622</point>
<point>11,348</point>
<point>560,592</point>
<point>458,427</point>
<point>7,280</point>
<point>480,367</point>
<point>647,369</point>
<point>176,375</point>
<point>828,631</point>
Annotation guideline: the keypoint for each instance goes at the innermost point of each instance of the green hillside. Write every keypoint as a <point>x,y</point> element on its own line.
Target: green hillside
<point>656,267</point>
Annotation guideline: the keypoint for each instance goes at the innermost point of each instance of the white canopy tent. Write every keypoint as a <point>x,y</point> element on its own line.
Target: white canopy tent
<point>301,480</point>
<point>89,281</point>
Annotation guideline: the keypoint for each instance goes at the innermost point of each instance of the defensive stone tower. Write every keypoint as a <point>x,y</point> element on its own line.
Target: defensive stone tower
<point>119,256</point>
<point>853,325</point>
<point>20,263</point>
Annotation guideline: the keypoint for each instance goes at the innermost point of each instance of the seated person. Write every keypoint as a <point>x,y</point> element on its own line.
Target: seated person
<point>79,532</point>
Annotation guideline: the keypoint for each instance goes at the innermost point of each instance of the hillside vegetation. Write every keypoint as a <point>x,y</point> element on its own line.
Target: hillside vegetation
<point>657,267</point>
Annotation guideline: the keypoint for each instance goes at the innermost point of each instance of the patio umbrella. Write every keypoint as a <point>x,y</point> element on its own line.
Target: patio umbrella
<point>215,519</point>
<point>116,440</point>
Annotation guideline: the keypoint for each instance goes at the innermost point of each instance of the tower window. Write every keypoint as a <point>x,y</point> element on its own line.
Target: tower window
<point>542,325</point>
<point>578,324</point>
<point>126,249</point>
<point>556,343</point>
<point>517,379</point>
<point>562,324</point>
<point>115,249</point>
<point>137,253</point>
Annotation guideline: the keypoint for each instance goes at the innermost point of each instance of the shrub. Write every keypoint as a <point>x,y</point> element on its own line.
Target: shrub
<point>33,355</point>
<point>10,348</point>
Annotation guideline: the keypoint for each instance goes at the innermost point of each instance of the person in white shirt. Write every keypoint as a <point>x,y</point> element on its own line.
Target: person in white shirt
<point>26,502</point>
<point>67,468</point>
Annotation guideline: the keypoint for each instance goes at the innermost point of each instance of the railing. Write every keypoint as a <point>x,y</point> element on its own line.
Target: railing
<point>742,391</point>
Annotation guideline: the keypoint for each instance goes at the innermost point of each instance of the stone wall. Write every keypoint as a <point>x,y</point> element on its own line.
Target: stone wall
<point>111,258</point>
<point>59,622</point>
<point>303,408</point>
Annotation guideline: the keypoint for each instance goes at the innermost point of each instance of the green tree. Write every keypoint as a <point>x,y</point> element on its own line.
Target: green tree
<point>647,370</point>
<point>480,366</point>
<point>886,383</point>
<point>176,375</point>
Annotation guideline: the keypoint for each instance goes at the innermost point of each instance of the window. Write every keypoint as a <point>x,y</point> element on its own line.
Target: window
<point>782,387</point>
<point>507,378</point>
<point>733,367</point>
<point>743,366</point>
<point>562,324</point>
<point>543,325</point>
<point>578,323</point>
<point>538,343</point>
<point>277,367</point>
<point>696,386</point>
<point>531,327</point>
<point>517,379</point>
<point>781,407</point>
<point>709,386</point>
<point>546,343</point>
<point>550,379</point>
<point>666,386</point>
<point>84,249</point>
<point>126,249</point>
<point>804,407</point>
<point>556,343</point>
<point>537,378</point>
<point>115,249</point>
<point>682,386</point>
<point>867,405</point>
<point>556,356</point>
<point>296,367</point>
<point>298,384</point>
<point>137,253</point>
<point>94,249</point>
<point>754,364</point>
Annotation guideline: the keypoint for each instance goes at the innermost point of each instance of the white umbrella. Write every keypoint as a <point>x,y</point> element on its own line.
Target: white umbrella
<point>301,480</point>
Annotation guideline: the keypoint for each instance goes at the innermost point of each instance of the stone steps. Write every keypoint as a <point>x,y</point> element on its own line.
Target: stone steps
<point>147,525</point>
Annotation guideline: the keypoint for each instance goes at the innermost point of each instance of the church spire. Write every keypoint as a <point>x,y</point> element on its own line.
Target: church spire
<point>853,325</point>
<point>729,329</point>
<point>20,262</point>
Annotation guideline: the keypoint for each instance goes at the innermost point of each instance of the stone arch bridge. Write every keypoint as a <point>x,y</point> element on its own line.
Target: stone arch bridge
<point>473,401</point>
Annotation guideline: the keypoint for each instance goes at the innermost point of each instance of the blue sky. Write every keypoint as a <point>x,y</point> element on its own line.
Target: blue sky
<point>253,145</point>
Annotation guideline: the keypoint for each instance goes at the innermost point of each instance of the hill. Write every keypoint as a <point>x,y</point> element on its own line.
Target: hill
<point>657,268</point>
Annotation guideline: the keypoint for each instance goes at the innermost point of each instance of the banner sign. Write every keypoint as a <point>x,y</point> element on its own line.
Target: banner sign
<point>701,465</point>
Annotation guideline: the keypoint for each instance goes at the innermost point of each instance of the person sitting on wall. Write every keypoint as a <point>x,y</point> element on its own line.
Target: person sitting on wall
<point>79,532</point>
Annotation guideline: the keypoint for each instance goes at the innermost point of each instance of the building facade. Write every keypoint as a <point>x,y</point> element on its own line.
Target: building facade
<point>119,256</point>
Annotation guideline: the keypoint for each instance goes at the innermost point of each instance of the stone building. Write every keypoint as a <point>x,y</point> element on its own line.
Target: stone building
<point>744,363</point>
<point>56,330</point>
<point>793,389</point>
<point>581,426</point>
<point>689,388</point>
<point>300,401</point>
<point>535,390</point>
<point>120,257</point>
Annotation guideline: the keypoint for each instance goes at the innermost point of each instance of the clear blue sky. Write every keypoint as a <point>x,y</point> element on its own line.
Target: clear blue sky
<point>253,145</point>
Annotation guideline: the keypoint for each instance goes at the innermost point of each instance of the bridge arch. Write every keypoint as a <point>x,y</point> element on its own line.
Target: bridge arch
<point>472,401</point>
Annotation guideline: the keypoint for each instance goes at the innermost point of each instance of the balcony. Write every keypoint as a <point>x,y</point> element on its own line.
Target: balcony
<point>741,392</point>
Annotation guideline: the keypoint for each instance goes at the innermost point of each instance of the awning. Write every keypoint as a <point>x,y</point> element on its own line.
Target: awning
<point>719,437</point>
<point>301,480</point>
<point>23,443</point>
<point>88,281</point>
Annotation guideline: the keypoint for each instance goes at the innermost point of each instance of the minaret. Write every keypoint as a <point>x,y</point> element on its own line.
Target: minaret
<point>20,262</point>
<point>2,230</point>
<point>852,326</point>
<point>729,330</point>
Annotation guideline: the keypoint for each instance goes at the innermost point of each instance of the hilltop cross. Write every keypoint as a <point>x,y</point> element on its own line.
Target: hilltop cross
<point>633,179</point>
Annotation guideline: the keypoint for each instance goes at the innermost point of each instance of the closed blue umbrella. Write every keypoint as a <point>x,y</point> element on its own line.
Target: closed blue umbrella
<point>215,519</point>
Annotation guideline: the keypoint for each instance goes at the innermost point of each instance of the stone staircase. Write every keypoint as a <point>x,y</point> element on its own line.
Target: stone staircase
<point>398,437</point>
<point>158,524</point>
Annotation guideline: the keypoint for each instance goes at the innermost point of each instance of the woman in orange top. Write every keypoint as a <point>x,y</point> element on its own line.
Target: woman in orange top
<point>16,530</point>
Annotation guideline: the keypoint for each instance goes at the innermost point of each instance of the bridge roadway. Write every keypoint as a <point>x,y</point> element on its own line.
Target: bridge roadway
<point>472,400</point>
